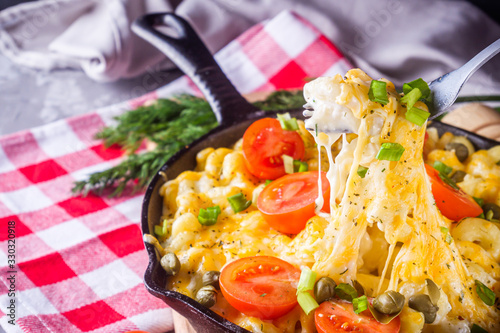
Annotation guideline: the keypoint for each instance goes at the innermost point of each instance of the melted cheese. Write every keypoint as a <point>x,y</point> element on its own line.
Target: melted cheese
<point>384,230</point>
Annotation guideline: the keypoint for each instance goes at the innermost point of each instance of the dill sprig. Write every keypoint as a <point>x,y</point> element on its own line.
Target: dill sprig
<point>170,124</point>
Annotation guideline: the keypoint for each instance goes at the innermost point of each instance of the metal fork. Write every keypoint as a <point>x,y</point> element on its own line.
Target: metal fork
<point>445,89</point>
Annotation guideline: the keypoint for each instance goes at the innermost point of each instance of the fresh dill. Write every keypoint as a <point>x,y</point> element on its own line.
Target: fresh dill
<point>168,125</point>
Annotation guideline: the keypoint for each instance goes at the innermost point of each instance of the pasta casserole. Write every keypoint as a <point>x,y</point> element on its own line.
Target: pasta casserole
<point>358,219</point>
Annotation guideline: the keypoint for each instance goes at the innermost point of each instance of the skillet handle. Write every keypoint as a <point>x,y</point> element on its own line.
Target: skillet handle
<point>190,54</point>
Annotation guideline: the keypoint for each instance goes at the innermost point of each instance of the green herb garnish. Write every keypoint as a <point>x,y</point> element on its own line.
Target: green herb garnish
<point>390,151</point>
<point>485,293</point>
<point>239,202</point>
<point>362,171</point>
<point>170,124</point>
<point>378,92</point>
<point>442,168</point>
<point>209,215</point>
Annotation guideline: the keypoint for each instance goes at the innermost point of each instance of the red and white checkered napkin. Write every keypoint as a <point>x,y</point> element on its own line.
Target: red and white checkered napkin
<point>80,261</point>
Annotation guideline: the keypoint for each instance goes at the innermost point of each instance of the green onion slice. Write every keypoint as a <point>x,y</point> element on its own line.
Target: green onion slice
<point>420,84</point>
<point>306,281</point>
<point>477,329</point>
<point>288,123</point>
<point>287,163</point>
<point>447,237</point>
<point>360,304</point>
<point>417,116</point>
<point>362,171</point>
<point>485,293</point>
<point>239,202</point>
<point>209,215</point>
<point>442,168</point>
<point>299,166</point>
<point>390,151</point>
<point>307,302</point>
<point>161,230</point>
<point>411,98</point>
<point>346,292</point>
<point>378,92</point>
<point>268,181</point>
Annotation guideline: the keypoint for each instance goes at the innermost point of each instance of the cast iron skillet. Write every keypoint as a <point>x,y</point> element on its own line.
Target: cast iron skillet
<point>234,114</point>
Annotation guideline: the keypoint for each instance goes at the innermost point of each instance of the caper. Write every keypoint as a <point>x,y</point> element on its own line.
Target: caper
<point>389,303</point>
<point>170,263</point>
<point>495,211</point>
<point>211,278</point>
<point>206,296</point>
<point>458,176</point>
<point>422,303</point>
<point>461,150</point>
<point>324,289</point>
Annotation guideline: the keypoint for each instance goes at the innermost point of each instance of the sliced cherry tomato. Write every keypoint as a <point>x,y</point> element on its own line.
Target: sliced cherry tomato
<point>288,202</point>
<point>261,286</point>
<point>264,144</point>
<point>454,204</point>
<point>338,315</point>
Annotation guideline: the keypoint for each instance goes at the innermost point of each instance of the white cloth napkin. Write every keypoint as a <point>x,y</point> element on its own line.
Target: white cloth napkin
<point>93,35</point>
<point>399,40</point>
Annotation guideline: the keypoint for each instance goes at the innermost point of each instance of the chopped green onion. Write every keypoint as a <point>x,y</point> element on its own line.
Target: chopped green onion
<point>448,181</point>
<point>209,215</point>
<point>477,329</point>
<point>268,181</point>
<point>299,166</point>
<point>411,98</point>
<point>489,215</point>
<point>443,168</point>
<point>307,302</point>
<point>378,92</point>
<point>420,84</point>
<point>346,291</point>
<point>479,201</point>
<point>288,123</point>
<point>316,131</point>
<point>390,151</point>
<point>417,116</point>
<point>448,239</point>
<point>306,281</point>
<point>485,293</point>
<point>362,171</point>
<point>161,230</point>
<point>360,304</point>
<point>287,163</point>
<point>239,202</point>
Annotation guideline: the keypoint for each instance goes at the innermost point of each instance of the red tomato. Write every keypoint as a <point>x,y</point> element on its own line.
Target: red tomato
<point>288,202</point>
<point>454,204</point>
<point>338,316</point>
<point>264,144</point>
<point>261,286</point>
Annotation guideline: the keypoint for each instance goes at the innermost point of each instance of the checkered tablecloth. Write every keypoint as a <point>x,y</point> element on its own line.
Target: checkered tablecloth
<point>79,261</point>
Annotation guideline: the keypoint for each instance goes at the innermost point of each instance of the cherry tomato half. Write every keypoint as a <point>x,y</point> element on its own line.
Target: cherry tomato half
<point>337,315</point>
<point>261,286</point>
<point>264,144</point>
<point>454,204</point>
<point>288,202</point>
